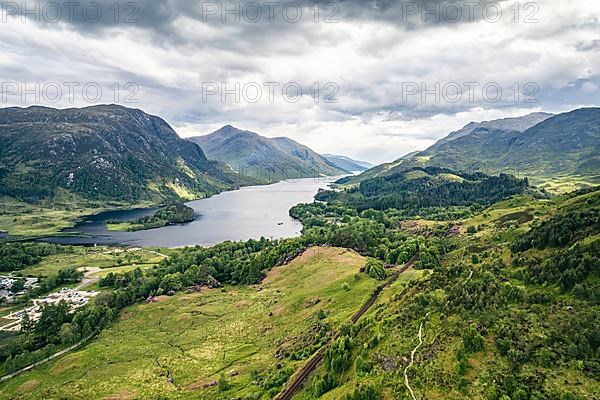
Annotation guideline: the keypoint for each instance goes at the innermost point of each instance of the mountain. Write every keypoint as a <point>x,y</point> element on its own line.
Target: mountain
<point>347,163</point>
<point>546,148</point>
<point>268,159</point>
<point>101,152</point>
<point>564,144</point>
<point>519,124</point>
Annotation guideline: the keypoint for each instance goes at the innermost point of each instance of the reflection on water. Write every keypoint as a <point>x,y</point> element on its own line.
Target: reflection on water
<point>248,213</point>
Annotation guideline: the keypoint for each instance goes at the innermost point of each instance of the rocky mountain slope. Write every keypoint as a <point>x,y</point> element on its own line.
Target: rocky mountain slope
<point>102,152</point>
<point>268,159</point>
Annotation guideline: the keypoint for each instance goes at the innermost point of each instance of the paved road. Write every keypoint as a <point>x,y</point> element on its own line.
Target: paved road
<point>88,277</point>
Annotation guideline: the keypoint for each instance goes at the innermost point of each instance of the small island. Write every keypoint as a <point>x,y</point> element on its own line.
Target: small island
<point>168,215</point>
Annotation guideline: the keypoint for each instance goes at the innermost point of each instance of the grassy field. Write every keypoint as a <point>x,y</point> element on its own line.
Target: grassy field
<point>49,218</point>
<point>197,337</point>
<point>433,375</point>
<point>101,257</point>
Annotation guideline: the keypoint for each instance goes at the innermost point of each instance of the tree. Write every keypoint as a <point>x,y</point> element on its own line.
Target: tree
<point>17,286</point>
<point>52,317</point>
<point>67,333</point>
<point>375,269</point>
<point>472,340</point>
<point>27,325</point>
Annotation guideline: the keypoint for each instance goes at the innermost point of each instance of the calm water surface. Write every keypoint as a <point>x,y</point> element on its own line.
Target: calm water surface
<point>248,213</point>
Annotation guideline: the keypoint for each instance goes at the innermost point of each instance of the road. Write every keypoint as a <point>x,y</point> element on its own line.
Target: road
<point>88,277</point>
<point>52,357</point>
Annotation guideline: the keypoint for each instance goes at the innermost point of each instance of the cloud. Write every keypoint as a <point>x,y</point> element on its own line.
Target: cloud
<point>396,74</point>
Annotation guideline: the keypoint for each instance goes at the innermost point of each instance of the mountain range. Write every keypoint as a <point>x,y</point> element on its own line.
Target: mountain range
<point>266,159</point>
<point>519,124</point>
<point>347,163</point>
<point>541,146</point>
<point>117,153</point>
<point>102,152</point>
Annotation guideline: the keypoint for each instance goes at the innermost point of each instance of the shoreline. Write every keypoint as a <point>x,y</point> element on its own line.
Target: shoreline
<point>77,235</point>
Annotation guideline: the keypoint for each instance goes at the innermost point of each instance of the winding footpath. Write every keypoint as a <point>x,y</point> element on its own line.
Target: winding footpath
<point>412,361</point>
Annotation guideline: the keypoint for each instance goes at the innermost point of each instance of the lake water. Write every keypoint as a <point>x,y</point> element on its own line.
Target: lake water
<point>248,213</point>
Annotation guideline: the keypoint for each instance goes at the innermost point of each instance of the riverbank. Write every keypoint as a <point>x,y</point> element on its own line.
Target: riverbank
<point>24,221</point>
<point>250,212</point>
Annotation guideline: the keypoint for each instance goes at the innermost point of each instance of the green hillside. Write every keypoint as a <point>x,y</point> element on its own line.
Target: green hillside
<point>559,152</point>
<point>490,322</point>
<point>56,165</point>
<point>268,159</point>
<point>100,152</point>
<point>428,191</point>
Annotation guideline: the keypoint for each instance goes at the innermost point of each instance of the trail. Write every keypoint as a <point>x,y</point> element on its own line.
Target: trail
<point>412,361</point>
<point>52,357</point>
<point>312,364</point>
<point>469,277</point>
<point>412,358</point>
<point>157,253</point>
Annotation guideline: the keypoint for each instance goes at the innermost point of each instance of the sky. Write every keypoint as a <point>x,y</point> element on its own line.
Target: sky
<point>373,80</point>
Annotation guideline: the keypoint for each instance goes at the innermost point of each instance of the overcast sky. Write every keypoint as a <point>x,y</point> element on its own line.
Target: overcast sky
<point>369,59</point>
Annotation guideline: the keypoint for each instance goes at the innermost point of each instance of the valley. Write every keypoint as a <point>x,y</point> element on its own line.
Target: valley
<point>407,281</point>
<point>306,200</point>
<point>465,280</point>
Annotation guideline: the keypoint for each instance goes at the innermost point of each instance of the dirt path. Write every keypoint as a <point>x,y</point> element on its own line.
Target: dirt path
<point>298,380</point>
<point>412,359</point>
<point>157,253</point>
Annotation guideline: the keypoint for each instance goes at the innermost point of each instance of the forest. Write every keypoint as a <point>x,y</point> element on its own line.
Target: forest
<point>168,215</point>
<point>429,192</point>
<point>485,292</point>
<point>15,256</point>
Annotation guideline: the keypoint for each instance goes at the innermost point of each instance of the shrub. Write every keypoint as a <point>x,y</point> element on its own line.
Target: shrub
<point>375,269</point>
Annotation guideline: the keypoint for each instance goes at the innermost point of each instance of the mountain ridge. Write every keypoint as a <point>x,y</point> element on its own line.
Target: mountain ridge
<point>347,163</point>
<point>266,159</point>
<point>104,151</point>
<point>540,152</point>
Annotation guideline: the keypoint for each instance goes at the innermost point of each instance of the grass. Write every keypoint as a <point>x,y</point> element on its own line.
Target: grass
<point>50,217</point>
<point>101,257</point>
<point>565,183</point>
<point>199,336</point>
<point>433,375</point>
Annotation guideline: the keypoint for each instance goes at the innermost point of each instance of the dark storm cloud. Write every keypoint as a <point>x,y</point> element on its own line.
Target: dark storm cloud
<point>159,16</point>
